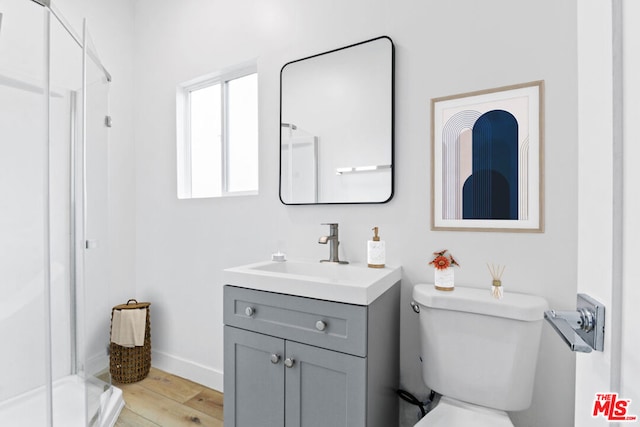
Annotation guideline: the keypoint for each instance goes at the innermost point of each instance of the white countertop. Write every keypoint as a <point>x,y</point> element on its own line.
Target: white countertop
<point>351,283</point>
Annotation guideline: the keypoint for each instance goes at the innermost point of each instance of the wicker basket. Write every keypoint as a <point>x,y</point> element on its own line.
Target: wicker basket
<point>131,364</point>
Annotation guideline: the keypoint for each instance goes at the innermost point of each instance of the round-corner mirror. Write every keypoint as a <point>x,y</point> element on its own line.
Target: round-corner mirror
<point>336,126</point>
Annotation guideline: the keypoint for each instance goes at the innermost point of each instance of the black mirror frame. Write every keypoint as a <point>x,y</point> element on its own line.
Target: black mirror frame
<point>393,89</point>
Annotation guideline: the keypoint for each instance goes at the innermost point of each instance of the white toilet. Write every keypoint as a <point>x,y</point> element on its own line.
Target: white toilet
<point>479,353</point>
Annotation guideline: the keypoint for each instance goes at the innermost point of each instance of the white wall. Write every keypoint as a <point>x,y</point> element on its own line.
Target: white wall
<point>630,387</point>
<point>442,48</point>
<point>595,224</point>
<point>608,252</point>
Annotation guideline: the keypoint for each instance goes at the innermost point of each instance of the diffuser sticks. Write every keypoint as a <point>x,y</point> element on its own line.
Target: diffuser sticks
<point>496,273</point>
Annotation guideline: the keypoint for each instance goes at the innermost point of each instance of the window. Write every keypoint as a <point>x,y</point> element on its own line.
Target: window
<point>217,135</point>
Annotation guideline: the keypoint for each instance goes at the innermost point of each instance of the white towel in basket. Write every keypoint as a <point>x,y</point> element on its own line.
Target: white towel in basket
<point>128,327</point>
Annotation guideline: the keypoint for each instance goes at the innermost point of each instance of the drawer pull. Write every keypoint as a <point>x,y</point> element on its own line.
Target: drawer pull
<point>321,325</point>
<point>288,362</point>
<point>249,311</point>
<point>275,358</point>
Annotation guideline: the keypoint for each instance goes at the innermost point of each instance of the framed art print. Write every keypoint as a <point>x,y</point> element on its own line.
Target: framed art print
<point>487,160</point>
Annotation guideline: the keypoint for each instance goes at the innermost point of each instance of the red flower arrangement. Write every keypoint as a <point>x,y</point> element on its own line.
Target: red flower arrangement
<point>443,260</point>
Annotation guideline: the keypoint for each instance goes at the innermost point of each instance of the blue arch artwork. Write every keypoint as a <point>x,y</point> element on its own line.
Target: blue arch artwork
<point>491,191</point>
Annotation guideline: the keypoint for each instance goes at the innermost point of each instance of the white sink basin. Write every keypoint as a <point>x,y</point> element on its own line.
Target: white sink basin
<point>349,283</point>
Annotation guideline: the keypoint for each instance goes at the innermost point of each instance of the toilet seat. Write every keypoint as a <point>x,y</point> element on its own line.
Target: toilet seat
<point>454,413</point>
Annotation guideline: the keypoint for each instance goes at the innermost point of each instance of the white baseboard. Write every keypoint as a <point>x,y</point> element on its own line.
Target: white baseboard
<point>188,369</point>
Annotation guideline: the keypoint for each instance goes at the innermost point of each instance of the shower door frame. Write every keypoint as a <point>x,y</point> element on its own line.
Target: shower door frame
<point>76,246</point>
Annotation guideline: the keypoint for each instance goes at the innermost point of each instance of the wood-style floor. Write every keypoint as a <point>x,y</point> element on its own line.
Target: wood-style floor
<point>166,400</point>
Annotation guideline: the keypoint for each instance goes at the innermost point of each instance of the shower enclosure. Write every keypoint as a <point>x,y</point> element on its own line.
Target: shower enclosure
<point>54,265</point>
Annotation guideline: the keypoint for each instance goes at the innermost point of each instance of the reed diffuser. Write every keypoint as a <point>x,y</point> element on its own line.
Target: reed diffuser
<point>496,273</point>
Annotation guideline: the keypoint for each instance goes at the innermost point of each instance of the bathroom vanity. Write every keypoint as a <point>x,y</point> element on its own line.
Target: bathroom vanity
<point>294,351</point>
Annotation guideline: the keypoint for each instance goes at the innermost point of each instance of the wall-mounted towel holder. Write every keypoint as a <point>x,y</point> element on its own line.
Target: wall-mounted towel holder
<point>582,330</point>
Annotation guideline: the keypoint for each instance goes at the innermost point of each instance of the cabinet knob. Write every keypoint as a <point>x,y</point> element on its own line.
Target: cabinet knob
<point>288,362</point>
<point>275,358</point>
<point>321,325</point>
<point>249,311</point>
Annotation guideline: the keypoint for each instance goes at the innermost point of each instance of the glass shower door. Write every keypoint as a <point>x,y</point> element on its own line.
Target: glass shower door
<point>65,77</point>
<point>94,309</point>
<point>23,162</point>
<point>54,263</point>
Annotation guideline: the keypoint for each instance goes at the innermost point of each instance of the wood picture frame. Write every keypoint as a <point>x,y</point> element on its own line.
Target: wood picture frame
<point>487,160</point>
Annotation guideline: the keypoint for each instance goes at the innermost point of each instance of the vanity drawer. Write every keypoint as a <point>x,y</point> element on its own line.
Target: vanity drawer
<point>326,324</point>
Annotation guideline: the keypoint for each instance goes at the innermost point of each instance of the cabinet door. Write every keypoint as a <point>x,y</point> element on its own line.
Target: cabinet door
<point>253,381</point>
<point>324,388</point>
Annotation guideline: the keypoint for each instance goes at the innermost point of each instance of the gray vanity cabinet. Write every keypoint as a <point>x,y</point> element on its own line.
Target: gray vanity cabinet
<point>258,383</point>
<point>325,388</point>
<point>293,361</point>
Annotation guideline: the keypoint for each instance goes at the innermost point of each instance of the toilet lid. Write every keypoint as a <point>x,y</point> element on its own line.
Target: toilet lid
<point>529,308</point>
<point>452,413</point>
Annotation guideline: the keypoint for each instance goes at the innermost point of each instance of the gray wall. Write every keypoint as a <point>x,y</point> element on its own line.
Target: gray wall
<point>442,48</point>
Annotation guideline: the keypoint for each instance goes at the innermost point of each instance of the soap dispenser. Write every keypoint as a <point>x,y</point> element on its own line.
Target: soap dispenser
<point>375,251</point>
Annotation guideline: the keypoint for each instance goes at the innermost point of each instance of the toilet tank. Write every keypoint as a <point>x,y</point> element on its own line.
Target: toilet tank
<point>477,348</point>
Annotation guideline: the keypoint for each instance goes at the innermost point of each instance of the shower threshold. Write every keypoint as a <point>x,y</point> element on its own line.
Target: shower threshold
<point>69,408</point>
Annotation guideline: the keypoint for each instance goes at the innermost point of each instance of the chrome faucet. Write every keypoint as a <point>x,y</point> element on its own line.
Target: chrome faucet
<point>332,238</point>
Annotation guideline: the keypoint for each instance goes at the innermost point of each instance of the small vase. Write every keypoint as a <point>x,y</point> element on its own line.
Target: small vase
<point>444,280</point>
